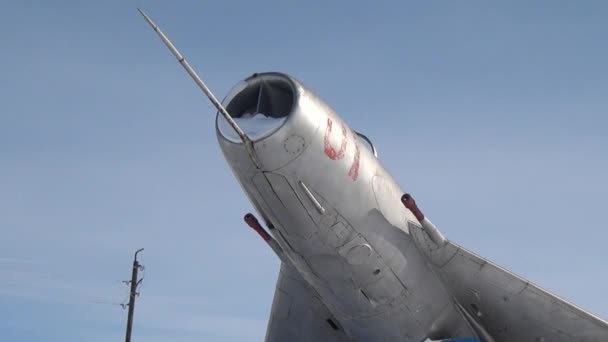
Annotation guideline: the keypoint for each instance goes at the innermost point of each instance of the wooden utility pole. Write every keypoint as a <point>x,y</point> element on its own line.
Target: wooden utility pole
<point>132,294</point>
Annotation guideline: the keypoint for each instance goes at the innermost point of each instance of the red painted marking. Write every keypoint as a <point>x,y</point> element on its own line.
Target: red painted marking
<point>354,169</point>
<point>408,202</point>
<point>253,223</point>
<point>330,151</point>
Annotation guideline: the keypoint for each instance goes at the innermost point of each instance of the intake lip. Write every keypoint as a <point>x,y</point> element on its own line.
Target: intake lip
<point>260,105</point>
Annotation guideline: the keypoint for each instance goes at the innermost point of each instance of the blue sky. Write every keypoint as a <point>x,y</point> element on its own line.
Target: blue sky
<point>495,116</point>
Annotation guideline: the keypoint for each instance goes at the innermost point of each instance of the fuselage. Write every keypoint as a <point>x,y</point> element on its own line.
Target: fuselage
<point>335,212</point>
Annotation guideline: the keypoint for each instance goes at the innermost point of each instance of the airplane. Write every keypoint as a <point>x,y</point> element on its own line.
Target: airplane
<point>359,259</point>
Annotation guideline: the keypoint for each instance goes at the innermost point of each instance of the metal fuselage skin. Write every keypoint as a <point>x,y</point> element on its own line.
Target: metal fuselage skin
<point>336,213</point>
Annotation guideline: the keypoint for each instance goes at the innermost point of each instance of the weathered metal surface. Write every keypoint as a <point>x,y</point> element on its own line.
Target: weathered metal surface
<point>382,272</point>
<point>355,252</point>
<point>353,256</point>
<point>507,306</point>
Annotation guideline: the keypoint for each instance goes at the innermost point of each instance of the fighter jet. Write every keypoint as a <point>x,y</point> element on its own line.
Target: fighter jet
<point>360,260</point>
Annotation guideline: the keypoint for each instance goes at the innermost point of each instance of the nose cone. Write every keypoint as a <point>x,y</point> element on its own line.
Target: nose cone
<point>259,105</point>
<point>278,114</point>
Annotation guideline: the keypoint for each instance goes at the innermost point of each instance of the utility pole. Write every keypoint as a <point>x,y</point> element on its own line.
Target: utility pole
<point>132,294</point>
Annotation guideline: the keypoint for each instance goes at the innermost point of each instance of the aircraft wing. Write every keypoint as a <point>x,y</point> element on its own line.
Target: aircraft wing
<point>297,313</point>
<point>508,307</point>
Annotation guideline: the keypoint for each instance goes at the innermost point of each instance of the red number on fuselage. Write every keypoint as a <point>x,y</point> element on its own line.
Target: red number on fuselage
<point>331,152</point>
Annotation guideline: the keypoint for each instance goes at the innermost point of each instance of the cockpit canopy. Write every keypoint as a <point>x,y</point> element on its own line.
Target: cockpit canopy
<point>368,143</point>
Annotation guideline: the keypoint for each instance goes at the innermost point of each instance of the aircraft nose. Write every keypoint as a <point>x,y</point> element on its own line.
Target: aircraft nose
<point>259,105</point>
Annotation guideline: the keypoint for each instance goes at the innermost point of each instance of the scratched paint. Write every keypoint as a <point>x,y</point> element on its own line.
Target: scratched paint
<point>330,151</point>
<point>354,169</point>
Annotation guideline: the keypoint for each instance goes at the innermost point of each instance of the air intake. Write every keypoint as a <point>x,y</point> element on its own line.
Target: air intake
<point>259,106</point>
